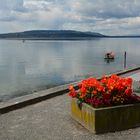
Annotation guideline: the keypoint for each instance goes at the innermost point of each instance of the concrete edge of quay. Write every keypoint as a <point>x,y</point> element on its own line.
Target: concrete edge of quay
<point>36,97</point>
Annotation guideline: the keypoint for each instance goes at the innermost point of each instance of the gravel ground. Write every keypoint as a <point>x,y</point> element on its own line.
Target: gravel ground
<point>51,120</point>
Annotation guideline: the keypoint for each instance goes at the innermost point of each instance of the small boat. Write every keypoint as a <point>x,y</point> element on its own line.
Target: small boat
<point>109,55</point>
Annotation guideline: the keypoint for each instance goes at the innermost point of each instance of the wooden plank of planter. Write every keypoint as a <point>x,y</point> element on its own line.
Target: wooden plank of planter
<point>107,119</point>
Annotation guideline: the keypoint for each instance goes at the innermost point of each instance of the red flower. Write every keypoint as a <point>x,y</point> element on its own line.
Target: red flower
<point>94,92</point>
<point>108,91</point>
<point>128,92</point>
<point>72,91</point>
<point>80,85</point>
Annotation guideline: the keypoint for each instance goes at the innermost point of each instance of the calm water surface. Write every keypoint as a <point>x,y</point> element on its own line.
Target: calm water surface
<point>35,65</point>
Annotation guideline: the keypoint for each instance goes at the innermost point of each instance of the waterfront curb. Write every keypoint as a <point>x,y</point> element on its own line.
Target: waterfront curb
<point>127,71</point>
<point>36,97</point>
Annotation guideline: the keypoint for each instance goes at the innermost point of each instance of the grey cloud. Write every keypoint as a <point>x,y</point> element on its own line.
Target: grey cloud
<point>7,19</point>
<point>103,16</point>
<point>109,8</point>
<point>14,5</point>
<point>9,10</point>
<point>41,5</point>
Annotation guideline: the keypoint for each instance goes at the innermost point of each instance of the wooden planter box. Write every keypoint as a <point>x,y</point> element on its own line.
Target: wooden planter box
<point>107,119</point>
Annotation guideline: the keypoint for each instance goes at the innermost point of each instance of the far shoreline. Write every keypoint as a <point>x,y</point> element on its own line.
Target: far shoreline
<point>74,38</point>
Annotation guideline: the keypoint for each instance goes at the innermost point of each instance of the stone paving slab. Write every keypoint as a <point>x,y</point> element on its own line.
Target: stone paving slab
<point>51,120</point>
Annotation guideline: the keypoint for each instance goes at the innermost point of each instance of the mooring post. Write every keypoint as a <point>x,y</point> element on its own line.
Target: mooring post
<point>124,59</point>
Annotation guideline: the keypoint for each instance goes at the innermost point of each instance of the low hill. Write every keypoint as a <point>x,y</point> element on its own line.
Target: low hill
<point>51,34</point>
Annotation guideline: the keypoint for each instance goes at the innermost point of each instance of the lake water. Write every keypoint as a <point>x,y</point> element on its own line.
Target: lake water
<point>30,66</point>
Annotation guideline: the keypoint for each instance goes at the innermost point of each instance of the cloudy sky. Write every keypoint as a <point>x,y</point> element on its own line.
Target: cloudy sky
<point>110,17</point>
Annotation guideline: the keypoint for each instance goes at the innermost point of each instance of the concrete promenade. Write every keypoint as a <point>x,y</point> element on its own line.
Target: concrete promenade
<point>51,120</point>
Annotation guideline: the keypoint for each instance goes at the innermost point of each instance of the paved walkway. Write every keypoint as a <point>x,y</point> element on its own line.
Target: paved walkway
<point>51,120</point>
<point>135,76</point>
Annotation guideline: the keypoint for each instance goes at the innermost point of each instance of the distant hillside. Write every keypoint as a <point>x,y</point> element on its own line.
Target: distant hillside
<point>51,34</point>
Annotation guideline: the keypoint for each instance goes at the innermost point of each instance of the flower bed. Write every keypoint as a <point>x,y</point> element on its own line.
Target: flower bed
<point>98,102</point>
<point>109,91</point>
